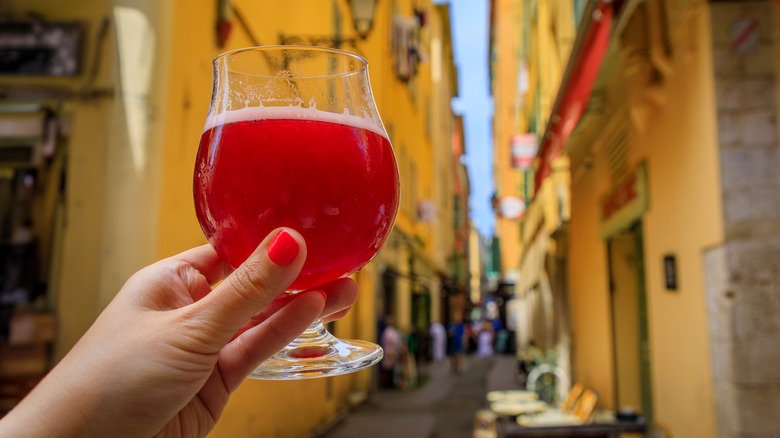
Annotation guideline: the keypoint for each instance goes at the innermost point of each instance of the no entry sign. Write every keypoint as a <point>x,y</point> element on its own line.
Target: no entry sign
<point>744,35</point>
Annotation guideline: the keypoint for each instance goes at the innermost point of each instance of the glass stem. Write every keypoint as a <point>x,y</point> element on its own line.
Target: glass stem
<point>316,333</point>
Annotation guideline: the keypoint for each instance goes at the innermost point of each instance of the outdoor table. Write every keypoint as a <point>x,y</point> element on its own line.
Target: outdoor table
<point>507,427</point>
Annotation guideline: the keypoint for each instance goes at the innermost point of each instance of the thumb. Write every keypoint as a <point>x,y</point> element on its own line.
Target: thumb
<point>268,271</point>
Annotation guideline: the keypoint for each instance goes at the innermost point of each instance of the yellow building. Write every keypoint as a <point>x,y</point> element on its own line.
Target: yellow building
<point>131,118</point>
<point>505,16</point>
<point>531,45</point>
<point>671,249</point>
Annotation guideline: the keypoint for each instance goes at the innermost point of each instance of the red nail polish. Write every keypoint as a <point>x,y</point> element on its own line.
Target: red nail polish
<point>283,248</point>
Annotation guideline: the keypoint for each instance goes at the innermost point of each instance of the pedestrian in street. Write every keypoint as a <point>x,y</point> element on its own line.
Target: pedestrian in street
<point>457,340</point>
<point>439,341</point>
<point>391,342</point>
<point>178,339</point>
<point>485,340</point>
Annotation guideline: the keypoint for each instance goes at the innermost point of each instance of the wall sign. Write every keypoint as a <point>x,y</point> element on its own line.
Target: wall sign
<point>524,148</point>
<point>625,203</point>
<point>744,35</point>
<point>670,272</point>
<point>511,207</point>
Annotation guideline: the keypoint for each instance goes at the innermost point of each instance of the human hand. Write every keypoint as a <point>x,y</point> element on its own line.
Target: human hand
<point>167,352</point>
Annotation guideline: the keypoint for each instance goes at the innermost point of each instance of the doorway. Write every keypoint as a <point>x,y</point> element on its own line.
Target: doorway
<point>630,334</point>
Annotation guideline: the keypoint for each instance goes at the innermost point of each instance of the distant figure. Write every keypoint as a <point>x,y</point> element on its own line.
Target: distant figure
<point>485,340</point>
<point>457,335</point>
<point>439,340</point>
<point>472,328</point>
<point>391,343</point>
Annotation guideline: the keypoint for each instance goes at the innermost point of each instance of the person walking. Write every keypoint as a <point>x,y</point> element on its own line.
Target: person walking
<point>485,340</point>
<point>457,338</point>
<point>391,344</point>
<point>439,340</point>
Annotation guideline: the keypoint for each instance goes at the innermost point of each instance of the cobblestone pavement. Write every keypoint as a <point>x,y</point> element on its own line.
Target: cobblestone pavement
<point>443,408</point>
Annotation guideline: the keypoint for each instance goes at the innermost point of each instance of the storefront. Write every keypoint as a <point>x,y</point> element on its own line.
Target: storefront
<point>644,210</point>
<point>622,210</point>
<point>542,290</point>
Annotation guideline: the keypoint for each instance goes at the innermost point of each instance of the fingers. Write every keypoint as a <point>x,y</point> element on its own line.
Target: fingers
<point>335,316</point>
<point>257,282</point>
<point>205,259</point>
<point>260,342</point>
<point>265,313</point>
<point>341,295</point>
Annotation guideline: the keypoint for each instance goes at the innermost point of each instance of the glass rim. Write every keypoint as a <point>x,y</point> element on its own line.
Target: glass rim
<point>302,47</point>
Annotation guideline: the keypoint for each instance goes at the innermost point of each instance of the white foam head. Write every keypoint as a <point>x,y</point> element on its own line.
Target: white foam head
<point>291,113</point>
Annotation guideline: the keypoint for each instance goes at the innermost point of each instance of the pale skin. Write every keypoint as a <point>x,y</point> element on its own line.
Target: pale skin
<point>165,355</point>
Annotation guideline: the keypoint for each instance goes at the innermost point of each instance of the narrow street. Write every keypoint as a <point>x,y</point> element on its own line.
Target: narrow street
<point>444,407</point>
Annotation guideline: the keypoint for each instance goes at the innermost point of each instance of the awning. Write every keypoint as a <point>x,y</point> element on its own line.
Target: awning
<point>581,72</point>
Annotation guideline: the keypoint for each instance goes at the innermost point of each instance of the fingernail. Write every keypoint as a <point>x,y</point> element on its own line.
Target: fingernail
<point>283,248</point>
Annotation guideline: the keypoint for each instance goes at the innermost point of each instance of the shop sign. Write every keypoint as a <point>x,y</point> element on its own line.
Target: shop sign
<point>511,207</point>
<point>426,211</point>
<point>625,203</point>
<point>524,148</point>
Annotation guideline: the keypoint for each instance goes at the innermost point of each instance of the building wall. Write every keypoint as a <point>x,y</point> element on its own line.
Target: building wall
<point>683,220</point>
<point>528,66</point>
<point>742,273</point>
<point>675,136</point>
<point>440,127</point>
<point>108,230</point>
<point>505,29</point>
<point>129,192</point>
<point>532,41</point>
<point>590,317</point>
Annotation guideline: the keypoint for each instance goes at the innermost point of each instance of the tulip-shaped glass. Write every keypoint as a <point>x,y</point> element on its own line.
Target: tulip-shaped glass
<point>293,138</point>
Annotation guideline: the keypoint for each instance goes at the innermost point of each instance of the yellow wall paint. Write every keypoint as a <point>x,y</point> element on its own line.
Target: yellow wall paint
<point>550,32</point>
<point>507,179</point>
<point>188,89</point>
<point>592,337</point>
<point>684,219</point>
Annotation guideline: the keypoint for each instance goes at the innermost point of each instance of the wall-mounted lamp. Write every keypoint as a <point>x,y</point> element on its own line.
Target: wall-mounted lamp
<point>362,20</point>
<point>363,16</point>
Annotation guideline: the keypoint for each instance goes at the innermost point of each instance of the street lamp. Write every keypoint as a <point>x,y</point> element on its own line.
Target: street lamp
<point>362,20</point>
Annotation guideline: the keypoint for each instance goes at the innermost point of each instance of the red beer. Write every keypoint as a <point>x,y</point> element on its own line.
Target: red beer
<point>331,177</point>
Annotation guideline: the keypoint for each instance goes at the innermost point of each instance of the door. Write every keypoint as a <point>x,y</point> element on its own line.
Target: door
<point>629,322</point>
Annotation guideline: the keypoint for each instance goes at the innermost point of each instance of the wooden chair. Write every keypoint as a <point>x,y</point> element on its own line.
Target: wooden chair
<point>586,405</point>
<point>571,399</point>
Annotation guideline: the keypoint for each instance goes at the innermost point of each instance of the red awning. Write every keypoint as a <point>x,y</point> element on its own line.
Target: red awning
<point>582,70</point>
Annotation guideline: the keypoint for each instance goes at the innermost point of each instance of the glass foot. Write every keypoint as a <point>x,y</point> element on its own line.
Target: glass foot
<point>317,353</point>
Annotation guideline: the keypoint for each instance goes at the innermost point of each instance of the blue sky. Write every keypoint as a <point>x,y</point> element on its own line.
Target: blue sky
<point>470,21</point>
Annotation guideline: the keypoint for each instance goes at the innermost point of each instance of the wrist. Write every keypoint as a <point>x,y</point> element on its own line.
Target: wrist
<point>50,410</point>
